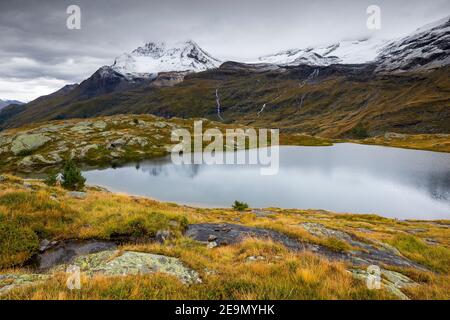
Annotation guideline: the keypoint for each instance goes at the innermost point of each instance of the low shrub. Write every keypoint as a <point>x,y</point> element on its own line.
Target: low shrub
<point>72,177</point>
<point>240,206</point>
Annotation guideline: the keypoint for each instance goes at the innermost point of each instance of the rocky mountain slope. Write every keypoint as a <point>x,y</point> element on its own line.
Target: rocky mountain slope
<point>405,89</point>
<point>331,101</point>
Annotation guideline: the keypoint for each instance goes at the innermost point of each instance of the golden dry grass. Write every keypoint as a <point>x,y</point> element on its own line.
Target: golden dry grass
<point>226,271</point>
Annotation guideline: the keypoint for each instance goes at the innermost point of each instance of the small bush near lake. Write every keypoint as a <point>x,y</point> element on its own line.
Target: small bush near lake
<point>72,177</point>
<point>240,206</point>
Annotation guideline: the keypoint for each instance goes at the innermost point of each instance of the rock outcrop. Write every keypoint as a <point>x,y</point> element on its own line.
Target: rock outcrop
<point>28,142</point>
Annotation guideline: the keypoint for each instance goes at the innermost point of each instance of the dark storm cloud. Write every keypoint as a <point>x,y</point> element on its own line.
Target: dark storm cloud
<point>35,43</point>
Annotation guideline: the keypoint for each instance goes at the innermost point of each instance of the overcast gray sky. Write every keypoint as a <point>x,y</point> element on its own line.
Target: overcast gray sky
<point>38,54</point>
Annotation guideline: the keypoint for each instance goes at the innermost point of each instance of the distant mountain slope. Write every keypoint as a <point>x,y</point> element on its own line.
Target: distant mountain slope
<point>4,103</point>
<point>330,101</point>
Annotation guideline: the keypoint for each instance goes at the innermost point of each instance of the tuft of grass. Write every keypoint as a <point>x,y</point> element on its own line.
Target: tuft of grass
<point>434,257</point>
<point>51,180</point>
<point>17,243</point>
<point>336,244</point>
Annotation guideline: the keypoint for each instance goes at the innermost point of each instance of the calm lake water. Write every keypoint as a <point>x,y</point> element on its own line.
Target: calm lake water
<point>397,183</point>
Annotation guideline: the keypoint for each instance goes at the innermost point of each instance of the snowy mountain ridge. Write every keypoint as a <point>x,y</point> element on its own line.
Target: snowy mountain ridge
<point>156,57</point>
<point>426,48</point>
<point>344,52</point>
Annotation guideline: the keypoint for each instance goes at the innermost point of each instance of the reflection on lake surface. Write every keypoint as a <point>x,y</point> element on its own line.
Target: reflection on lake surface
<point>405,184</point>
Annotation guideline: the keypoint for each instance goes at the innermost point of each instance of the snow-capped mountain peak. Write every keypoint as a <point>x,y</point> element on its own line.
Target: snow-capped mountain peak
<point>346,52</point>
<point>156,57</point>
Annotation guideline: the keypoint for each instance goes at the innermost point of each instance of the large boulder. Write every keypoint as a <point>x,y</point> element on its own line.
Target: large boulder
<point>116,263</point>
<point>28,142</point>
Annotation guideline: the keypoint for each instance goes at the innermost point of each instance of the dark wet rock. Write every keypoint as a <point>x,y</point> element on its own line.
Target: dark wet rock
<point>68,251</point>
<point>227,233</point>
<point>367,253</point>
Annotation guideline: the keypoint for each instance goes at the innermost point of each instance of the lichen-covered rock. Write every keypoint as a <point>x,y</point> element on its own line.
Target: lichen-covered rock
<point>101,125</point>
<point>30,161</point>
<point>393,135</point>
<point>390,280</point>
<point>321,231</point>
<point>116,263</point>
<point>77,194</point>
<point>160,124</point>
<point>28,142</point>
<point>12,281</point>
<point>82,127</point>
<point>141,141</point>
<point>84,151</point>
<point>5,140</point>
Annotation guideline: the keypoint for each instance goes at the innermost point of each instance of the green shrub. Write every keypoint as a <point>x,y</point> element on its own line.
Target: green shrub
<point>17,243</point>
<point>359,132</point>
<point>51,180</point>
<point>72,177</point>
<point>240,206</point>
